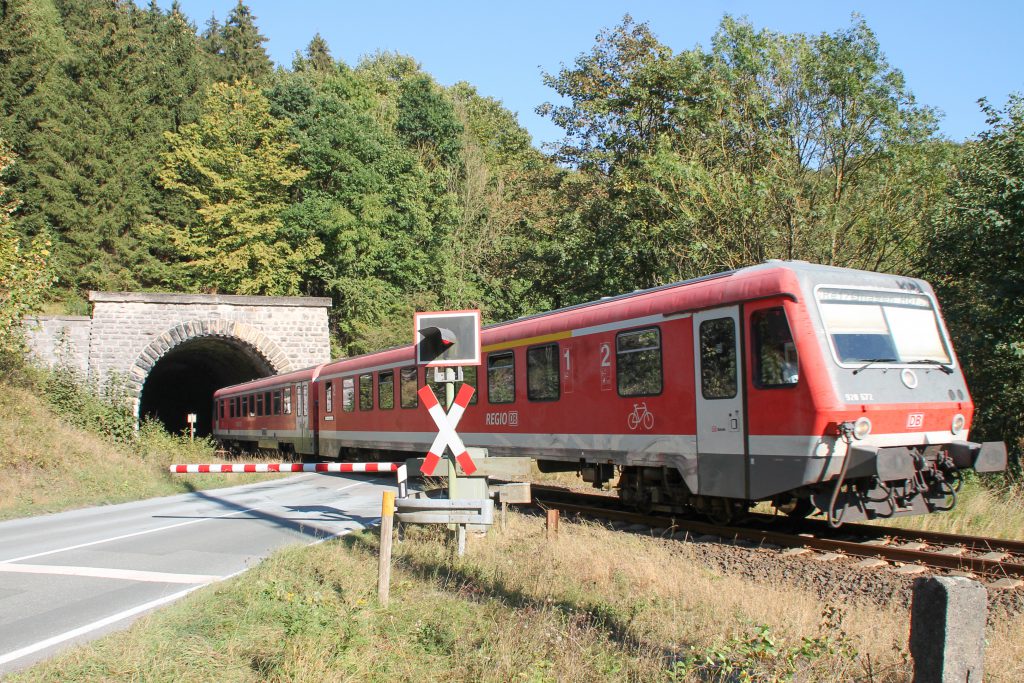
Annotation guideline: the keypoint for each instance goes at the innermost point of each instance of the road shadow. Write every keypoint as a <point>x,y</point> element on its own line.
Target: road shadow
<point>320,523</point>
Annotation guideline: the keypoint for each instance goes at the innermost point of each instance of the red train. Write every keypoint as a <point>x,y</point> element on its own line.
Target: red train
<point>810,386</point>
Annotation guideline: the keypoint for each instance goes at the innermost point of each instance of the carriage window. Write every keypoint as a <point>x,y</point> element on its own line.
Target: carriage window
<point>348,394</point>
<point>408,388</point>
<point>501,377</point>
<point>267,403</point>
<point>638,362</point>
<point>329,396</point>
<point>286,401</point>
<point>260,410</point>
<point>468,377</point>
<point>775,359</point>
<point>233,407</point>
<point>277,402</point>
<point>386,390</point>
<point>366,392</point>
<point>542,373</point>
<point>220,407</point>
<point>718,358</point>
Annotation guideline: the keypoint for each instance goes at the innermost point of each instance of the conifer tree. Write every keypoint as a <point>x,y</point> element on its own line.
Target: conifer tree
<point>244,56</point>
<point>318,54</point>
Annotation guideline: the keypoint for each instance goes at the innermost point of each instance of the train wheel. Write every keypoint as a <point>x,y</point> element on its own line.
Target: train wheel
<point>796,508</point>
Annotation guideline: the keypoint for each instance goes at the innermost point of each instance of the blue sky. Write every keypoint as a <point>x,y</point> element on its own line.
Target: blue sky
<point>952,53</point>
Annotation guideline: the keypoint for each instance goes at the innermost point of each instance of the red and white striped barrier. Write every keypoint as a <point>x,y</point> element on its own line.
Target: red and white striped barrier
<point>237,468</point>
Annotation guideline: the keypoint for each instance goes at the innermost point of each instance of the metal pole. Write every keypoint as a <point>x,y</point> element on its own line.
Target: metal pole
<point>387,517</point>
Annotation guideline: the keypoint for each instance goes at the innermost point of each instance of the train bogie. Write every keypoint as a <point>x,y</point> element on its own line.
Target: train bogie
<point>804,385</point>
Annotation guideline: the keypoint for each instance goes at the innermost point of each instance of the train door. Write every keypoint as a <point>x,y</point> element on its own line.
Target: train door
<point>313,419</point>
<point>719,398</point>
<point>305,440</point>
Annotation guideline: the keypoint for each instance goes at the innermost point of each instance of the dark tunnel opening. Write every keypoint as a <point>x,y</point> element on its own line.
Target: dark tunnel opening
<point>184,379</point>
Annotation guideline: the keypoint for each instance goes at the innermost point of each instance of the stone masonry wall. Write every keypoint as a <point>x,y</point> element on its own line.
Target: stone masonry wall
<point>60,340</point>
<point>129,332</point>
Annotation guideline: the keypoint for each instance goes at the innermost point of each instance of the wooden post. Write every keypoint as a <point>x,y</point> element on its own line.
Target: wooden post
<point>552,524</point>
<point>387,517</point>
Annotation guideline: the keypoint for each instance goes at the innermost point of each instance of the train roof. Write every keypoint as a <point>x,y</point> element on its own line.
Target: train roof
<point>769,279</point>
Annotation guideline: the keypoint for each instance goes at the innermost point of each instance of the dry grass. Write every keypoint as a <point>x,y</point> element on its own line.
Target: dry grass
<point>49,465</point>
<point>593,605</point>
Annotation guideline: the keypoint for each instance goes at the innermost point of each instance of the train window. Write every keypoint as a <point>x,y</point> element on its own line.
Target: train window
<point>329,396</point>
<point>244,403</point>
<point>468,377</point>
<point>775,358</point>
<point>348,394</point>
<point>542,373</point>
<point>718,358</point>
<point>220,406</point>
<point>501,377</point>
<point>286,401</point>
<point>259,405</point>
<point>366,392</point>
<point>233,407</point>
<point>879,326</point>
<point>409,387</point>
<point>386,390</point>
<point>638,362</point>
<point>277,402</point>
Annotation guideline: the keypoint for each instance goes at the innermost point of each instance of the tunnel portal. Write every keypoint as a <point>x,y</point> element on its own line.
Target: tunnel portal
<point>183,380</point>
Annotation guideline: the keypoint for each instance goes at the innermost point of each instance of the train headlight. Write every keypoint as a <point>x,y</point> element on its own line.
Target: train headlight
<point>861,428</point>
<point>959,422</point>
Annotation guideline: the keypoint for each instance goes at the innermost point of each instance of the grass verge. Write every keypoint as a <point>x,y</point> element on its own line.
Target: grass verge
<point>49,464</point>
<point>591,605</point>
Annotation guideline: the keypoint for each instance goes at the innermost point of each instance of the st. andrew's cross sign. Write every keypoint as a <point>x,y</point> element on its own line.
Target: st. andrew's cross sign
<point>447,339</point>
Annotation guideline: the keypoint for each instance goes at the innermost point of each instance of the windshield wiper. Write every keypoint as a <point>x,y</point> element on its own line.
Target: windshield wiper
<point>929,361</point>
<point>872,361</point>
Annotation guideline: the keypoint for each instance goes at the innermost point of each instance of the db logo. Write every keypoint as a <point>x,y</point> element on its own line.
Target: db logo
<point>915,420</point>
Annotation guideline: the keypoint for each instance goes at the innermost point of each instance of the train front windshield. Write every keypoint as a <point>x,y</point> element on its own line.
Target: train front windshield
<point>880,326</point>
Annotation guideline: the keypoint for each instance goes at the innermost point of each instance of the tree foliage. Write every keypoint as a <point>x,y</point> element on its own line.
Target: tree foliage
<point>234,168</point>
<point>976,263</point>
<point>24,270</point>
<point>766,146</point>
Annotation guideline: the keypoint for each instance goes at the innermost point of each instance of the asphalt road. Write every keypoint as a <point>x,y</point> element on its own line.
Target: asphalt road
<point>71,577</point>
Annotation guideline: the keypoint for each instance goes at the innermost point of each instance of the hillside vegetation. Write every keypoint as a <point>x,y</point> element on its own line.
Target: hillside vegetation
<point>52,462</point>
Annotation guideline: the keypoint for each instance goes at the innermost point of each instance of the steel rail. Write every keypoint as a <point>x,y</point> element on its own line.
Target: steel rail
<point>933,559</point>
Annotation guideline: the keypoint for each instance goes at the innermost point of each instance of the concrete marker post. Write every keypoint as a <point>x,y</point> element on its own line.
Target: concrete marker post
<point>947,630</point>
<point>387,518</point>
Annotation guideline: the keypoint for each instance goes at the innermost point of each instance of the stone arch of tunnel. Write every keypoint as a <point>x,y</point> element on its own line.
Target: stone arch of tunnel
<point>183,378</point>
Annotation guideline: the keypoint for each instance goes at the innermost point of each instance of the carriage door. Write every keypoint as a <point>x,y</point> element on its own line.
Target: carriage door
<point>302,417</point>
<point>719,398</point>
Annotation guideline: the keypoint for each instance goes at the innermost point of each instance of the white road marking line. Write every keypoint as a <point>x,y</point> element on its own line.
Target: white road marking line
<point>108,573</point>
<point>114,618</point>
<point>131,535</point>
<point>150,531</point>
<point>82,630</point>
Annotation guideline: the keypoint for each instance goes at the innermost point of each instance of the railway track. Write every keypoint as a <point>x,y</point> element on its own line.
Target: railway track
<point>997,560</point>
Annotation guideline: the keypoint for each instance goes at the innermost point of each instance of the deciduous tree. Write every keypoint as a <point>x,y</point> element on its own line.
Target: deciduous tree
<point>235,167</point>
